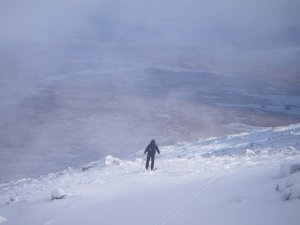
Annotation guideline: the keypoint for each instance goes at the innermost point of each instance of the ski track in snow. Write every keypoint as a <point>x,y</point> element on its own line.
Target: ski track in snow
<point>205,160</point>
<point>186,202</point>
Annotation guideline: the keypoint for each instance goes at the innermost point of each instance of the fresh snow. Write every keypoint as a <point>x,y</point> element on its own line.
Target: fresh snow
<point>248,178</point>
<point>2,219</point>
<point>58,194</point>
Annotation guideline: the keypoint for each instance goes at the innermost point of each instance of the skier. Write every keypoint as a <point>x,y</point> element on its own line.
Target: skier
<point>151,150</point>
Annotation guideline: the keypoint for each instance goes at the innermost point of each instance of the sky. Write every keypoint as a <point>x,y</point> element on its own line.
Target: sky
<point>226,23</point>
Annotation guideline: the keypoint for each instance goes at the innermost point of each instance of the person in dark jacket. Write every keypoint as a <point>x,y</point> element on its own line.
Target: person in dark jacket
<point>151,150</point>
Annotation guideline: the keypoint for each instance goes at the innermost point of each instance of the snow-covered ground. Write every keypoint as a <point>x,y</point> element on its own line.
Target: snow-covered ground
<point>248,178</point>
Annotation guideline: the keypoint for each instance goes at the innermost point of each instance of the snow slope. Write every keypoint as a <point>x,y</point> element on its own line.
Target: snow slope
<point>249,178</point>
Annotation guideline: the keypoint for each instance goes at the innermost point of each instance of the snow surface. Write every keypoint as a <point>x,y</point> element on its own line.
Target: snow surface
<point>2,219</point>
<point>58,194</point>
<point>248,178</point>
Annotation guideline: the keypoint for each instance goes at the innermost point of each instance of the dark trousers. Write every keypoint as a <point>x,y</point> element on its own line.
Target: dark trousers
<point>152,157</point>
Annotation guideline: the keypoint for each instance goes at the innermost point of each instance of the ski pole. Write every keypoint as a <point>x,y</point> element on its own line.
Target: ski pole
<point>162,164</point>
<point>142,163</point>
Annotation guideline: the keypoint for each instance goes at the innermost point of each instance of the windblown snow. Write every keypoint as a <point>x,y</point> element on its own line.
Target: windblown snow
<point>248,178</point>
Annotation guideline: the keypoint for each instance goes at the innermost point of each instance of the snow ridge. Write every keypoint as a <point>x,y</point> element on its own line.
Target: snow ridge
<point>202,162</point>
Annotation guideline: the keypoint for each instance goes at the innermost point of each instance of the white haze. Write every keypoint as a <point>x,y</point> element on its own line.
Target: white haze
<point>83,78</point>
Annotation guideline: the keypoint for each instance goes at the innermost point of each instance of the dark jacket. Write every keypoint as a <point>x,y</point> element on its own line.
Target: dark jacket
<point>152,148</point>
